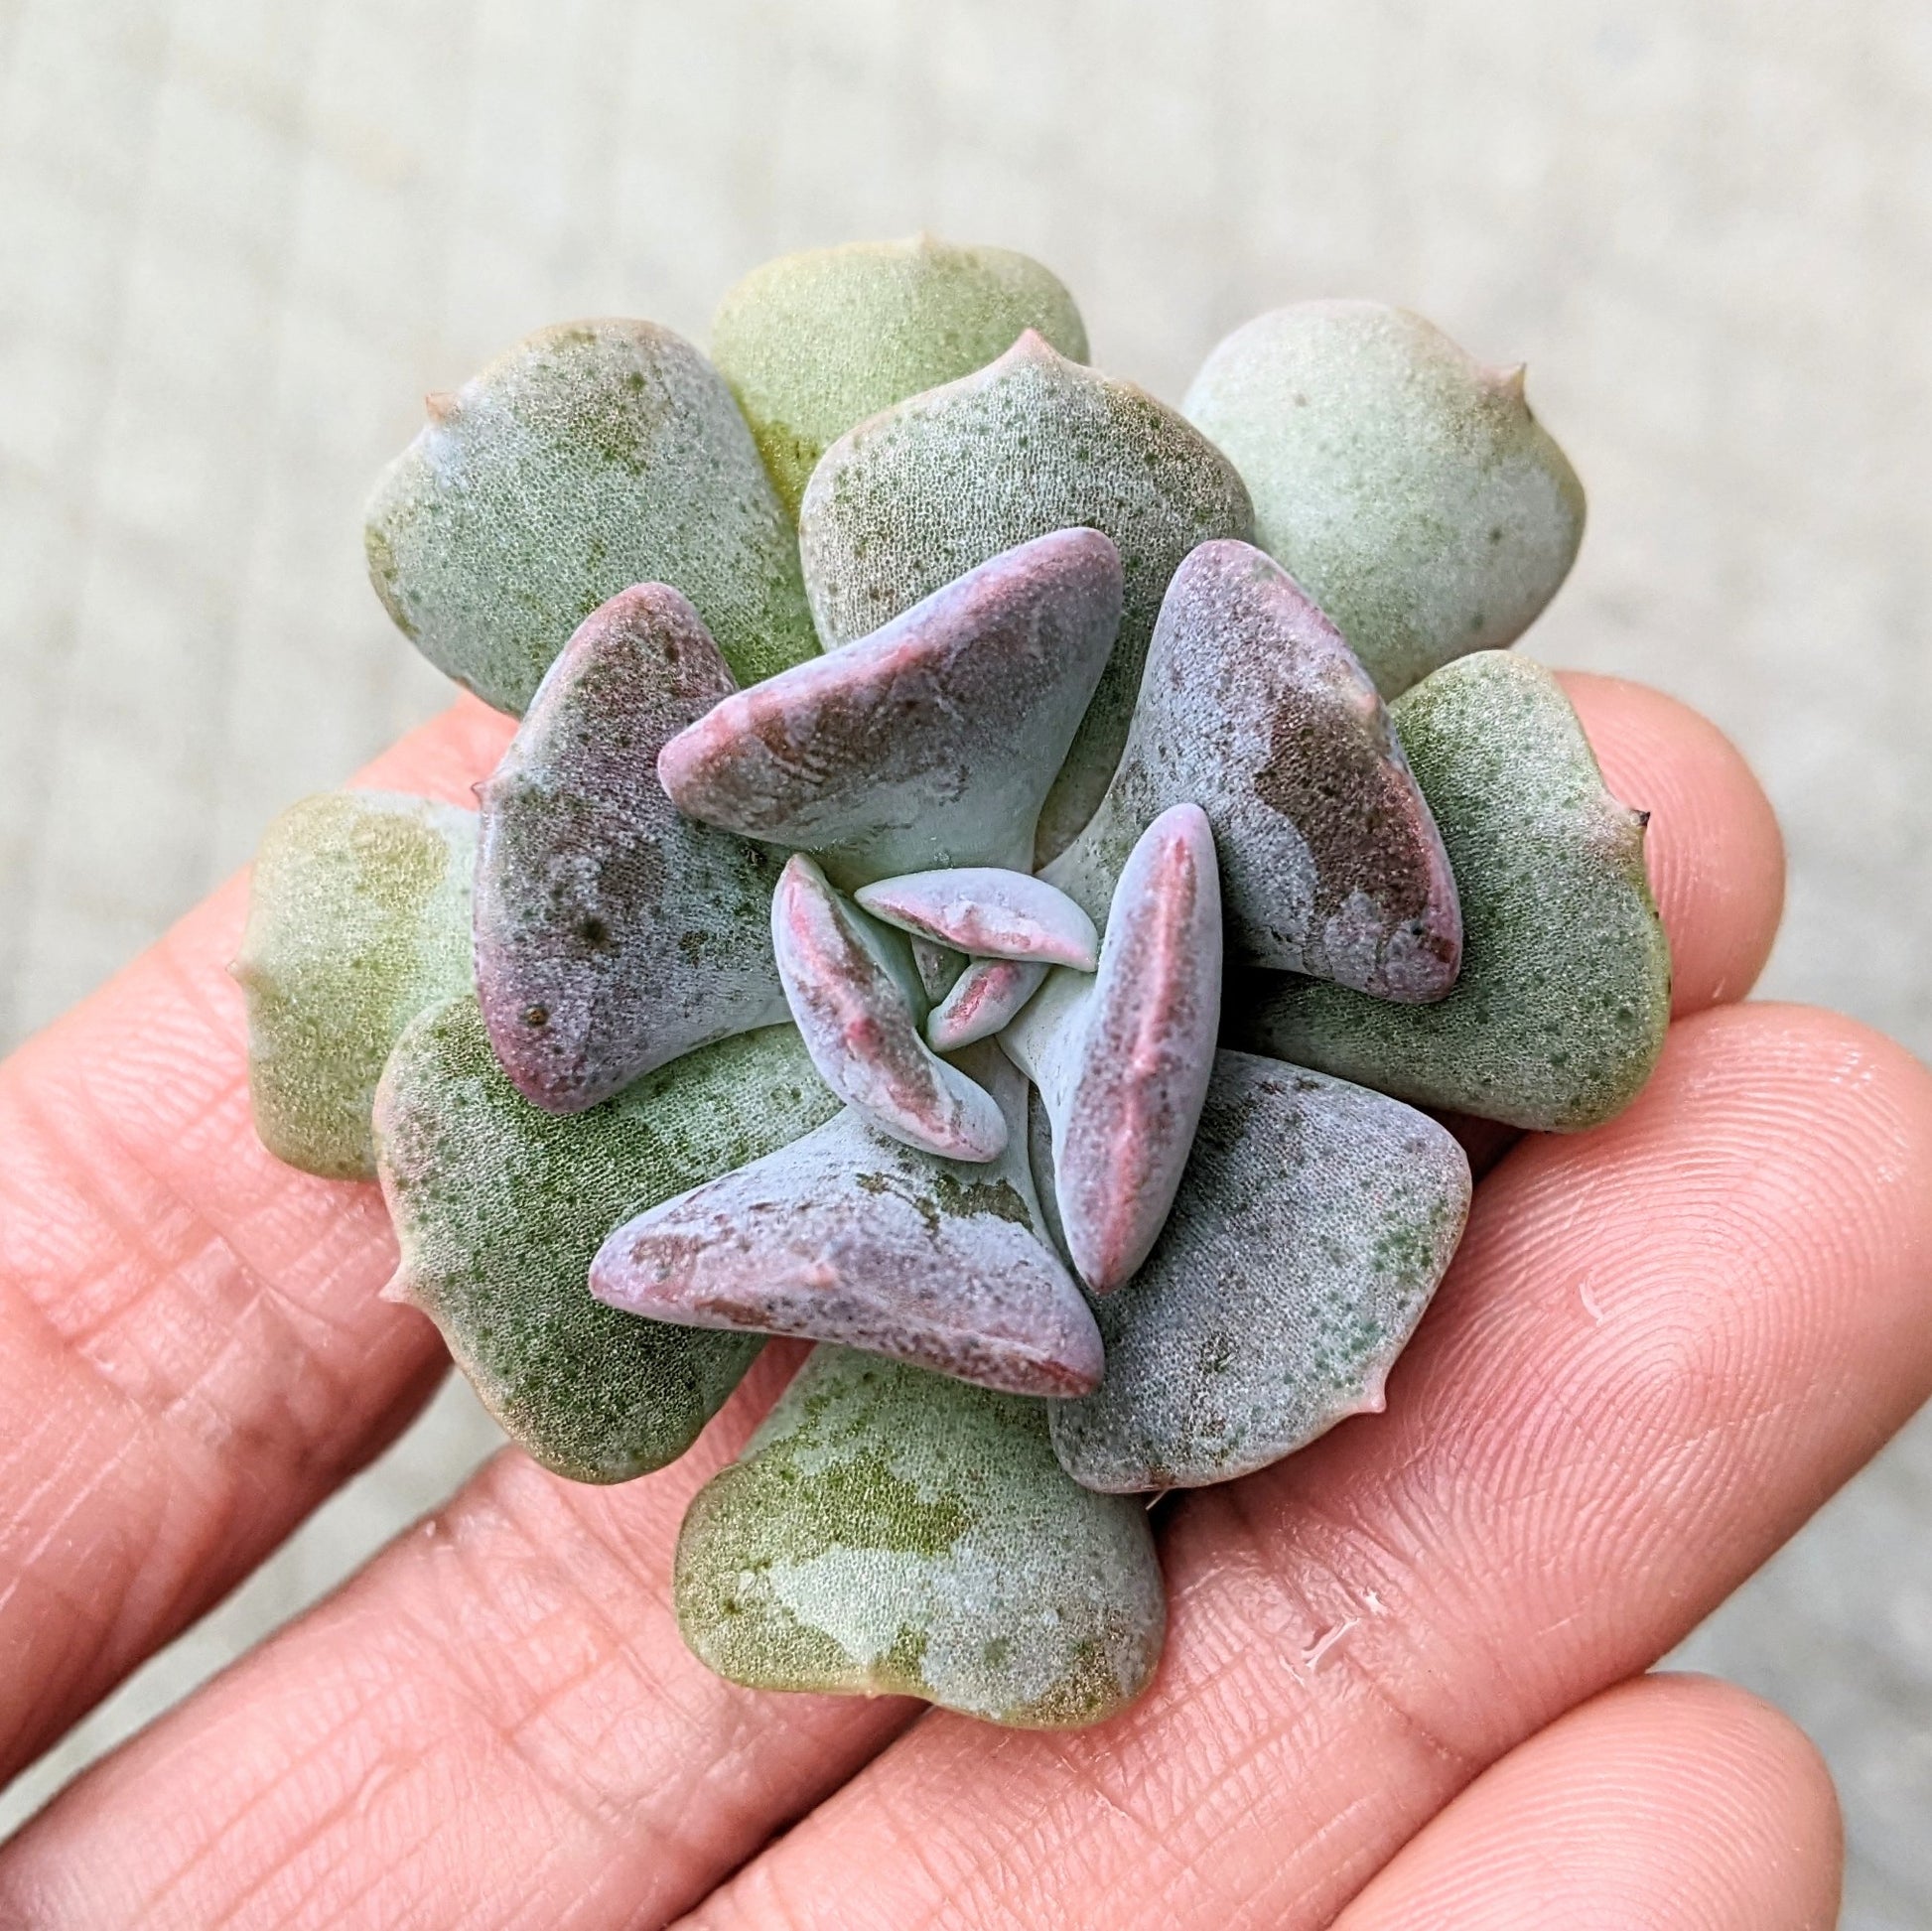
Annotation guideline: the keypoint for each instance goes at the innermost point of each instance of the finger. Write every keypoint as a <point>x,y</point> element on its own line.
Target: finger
<point>1672,1803</point>
<point>268,1811</point>
<point>1712,848</point>
<point>495,1723</point>
<point>1662,1345</point>
<point>189,1337</point>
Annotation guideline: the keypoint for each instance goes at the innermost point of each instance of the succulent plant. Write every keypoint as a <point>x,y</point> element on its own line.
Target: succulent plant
<point>869,983</point>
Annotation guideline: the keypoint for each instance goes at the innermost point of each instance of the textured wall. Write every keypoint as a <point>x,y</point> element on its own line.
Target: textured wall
<point>238,239</point>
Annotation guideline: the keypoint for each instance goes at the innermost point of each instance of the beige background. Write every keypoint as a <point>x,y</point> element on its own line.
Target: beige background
<point>240,237</point>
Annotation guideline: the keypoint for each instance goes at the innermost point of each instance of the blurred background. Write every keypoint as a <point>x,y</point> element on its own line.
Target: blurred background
<point>238,241</point>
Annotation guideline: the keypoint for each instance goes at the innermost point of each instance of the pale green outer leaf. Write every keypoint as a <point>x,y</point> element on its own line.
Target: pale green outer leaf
<point>814,343</point>
<point>940,482</point>
<point>592,457</point>
<point>358,917</point>
<point>1407,488</point>
<point>499,1208</point>
<point>893,1531</point>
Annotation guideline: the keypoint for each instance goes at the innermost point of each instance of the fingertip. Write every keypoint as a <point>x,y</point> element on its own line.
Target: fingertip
<point>1668,1799</point>
<point>1713,850</point>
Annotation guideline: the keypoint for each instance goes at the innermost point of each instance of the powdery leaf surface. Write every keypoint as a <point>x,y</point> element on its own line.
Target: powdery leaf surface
<point>499,1208</point>
<point>358,917</point>
<point>1314,1225</point>
<point>593,456</point>
<point>1122,1060</point>
<point>849,1236</point>
<point>1253,708</point>
<point>1407,488</point>
<point>816,342</point>
<point>887,1531</point>
<point>932,742</point>
<point>941,481</point>
<point>1558,1015</point>
<point>860,1023</point>
<point>982,1001</point>
<point>988,913</point>
<point>613,933</point>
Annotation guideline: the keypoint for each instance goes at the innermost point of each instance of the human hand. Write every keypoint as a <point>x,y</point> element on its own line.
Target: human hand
<point>1403,1681</point>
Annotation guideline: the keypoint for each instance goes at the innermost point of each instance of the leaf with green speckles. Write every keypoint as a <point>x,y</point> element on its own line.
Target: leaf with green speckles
<point>1407,488</point>
<point>936,484</point>
<point>358,917</point>
<point>1560,1012</point>
<point>593,456</point>
<point>499,1208</point>
<point>816,342</point>
<point>1312,1228</point>
<point>889,1531</point>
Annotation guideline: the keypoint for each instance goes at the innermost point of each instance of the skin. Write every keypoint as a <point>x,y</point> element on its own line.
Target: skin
<point>495,1724</point>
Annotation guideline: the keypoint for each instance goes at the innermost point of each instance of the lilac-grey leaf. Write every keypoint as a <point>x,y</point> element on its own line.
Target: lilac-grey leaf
<point>929,743</point>
<point>614,934</point>
<point>853,1004</point>
<point>983,1000</point>
<point>987,913</point>
<point>1312,1226</point>
<point>850,1236</point>
<point>1255,709</point>
<point>1122,1060</point>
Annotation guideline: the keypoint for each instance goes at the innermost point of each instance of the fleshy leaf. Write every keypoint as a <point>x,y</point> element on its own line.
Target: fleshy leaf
<point>1407,488</point>
<point>982,1001</point>
<point>358,917</point>
<point>613,933</point>
<point>939,483</point>
<point>816,342</point>
<point>988,913</point>
<point>1255,710</point>
<point>889,1531</point>
<point>1313,1226</point>
<point>1122,1060</point>
<point>849,1236</point>
<point>1560,1010</point>
<point>593,456</point>
<point>930,742</point>
<point>861,1025</point>
<point>500,1207</point>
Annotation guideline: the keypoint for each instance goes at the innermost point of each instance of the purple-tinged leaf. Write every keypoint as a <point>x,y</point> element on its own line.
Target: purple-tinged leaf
<point>1122,1060</point>
<point>1253,708</point>
<point>849,1236</point>
<point>853,1002</point>
<point>612,934</point>
<point>929,743</point>
<point>987,913</point>
<point>983,1000</point>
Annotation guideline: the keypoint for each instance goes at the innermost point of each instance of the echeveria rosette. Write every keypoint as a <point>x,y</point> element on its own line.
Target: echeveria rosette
<point>1046,634</point>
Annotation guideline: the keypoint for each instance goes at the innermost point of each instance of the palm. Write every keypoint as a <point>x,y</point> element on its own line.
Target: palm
<point>1663,1344</point>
